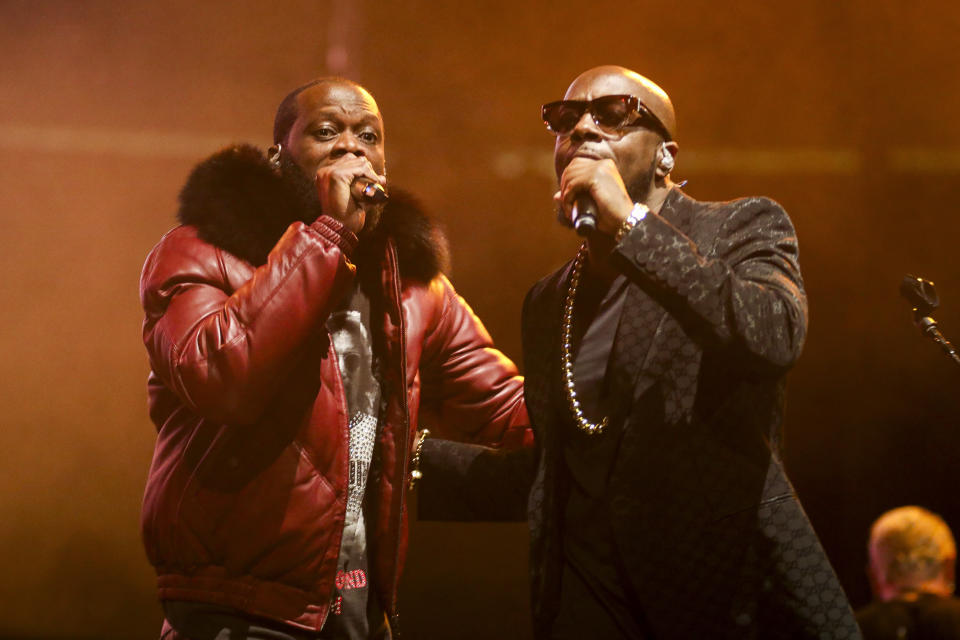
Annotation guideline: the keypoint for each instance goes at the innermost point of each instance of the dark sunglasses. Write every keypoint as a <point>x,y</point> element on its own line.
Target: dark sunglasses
<point>610,113</point>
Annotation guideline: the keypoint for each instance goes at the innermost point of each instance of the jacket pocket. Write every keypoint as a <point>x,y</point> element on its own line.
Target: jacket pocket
<point>277,526</point>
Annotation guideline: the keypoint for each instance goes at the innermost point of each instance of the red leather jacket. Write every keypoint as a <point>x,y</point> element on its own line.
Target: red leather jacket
<point>245,501</point>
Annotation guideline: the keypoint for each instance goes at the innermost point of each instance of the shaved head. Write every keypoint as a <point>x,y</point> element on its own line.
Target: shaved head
<point>288,109</point>
<point>612,80</point>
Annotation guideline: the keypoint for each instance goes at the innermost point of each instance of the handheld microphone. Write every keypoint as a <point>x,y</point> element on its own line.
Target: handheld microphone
<point>371,192</point>
<point>584,214</point>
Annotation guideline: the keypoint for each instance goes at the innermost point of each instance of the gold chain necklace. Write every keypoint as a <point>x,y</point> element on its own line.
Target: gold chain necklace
<point>565,341</point>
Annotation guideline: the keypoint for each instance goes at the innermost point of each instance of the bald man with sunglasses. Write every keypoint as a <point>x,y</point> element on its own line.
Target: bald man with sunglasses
<point>655,363</point>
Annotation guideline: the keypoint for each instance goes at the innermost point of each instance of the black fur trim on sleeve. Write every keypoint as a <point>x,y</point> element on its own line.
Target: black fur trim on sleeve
<point>239,202</point>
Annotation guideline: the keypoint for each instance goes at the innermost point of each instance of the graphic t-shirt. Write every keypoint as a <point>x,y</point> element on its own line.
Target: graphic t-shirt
<point>354,612</point>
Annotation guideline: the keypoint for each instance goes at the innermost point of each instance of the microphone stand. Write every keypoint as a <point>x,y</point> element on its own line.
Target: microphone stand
<point>923,297</point>
<point>928,327</point>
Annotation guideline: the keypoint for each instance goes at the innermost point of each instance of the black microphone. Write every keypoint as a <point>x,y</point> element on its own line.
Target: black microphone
<point>921,295</point>
<point>372,192</point>
<point>584,214</point>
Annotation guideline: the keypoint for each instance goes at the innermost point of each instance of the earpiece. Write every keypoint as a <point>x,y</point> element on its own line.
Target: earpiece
<point>666,159</point>
<point>274,157</point>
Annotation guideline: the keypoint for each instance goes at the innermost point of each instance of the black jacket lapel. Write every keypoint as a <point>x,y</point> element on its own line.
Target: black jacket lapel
<point>542,325</point>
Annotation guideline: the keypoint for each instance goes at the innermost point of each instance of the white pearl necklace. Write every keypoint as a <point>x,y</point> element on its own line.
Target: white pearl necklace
<point>565,341</point>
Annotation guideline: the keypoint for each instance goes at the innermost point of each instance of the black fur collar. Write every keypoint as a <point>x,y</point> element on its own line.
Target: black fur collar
<point>239,203</point>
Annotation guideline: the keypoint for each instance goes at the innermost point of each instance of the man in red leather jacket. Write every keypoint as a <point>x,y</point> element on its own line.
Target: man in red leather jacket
<point>297,336</point>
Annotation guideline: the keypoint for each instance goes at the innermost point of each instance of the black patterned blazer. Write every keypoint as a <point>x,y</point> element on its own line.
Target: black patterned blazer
<point>708,527</point>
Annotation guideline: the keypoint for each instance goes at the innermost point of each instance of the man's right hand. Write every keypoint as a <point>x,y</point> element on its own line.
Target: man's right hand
<point>339,185</point>
<point>600,180</point>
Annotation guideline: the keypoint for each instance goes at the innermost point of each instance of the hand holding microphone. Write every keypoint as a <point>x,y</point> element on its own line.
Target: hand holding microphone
<point>592,196</point>
<point>348,188</point>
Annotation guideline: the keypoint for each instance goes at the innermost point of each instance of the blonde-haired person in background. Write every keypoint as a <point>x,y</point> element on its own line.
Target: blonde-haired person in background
<point>912,563</point>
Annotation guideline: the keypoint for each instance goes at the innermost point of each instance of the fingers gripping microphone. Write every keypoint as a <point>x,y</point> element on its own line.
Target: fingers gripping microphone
<point>584,214</point>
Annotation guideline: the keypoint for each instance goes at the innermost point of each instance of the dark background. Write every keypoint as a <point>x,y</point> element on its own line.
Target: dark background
<point>845,112</point>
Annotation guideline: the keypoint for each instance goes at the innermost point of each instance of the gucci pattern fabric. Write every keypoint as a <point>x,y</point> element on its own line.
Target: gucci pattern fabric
<point>707,525</point>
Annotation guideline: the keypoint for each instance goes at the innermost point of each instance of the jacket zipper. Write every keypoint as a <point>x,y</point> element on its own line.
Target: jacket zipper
<point>402,449</point>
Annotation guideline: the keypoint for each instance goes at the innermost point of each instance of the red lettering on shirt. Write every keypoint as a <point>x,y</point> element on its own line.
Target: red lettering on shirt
<point>356,579</point>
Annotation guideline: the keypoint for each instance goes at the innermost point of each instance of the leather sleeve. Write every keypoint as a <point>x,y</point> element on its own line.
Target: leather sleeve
<point>222,350</point>
<point>475,389</point>
<point>469,483</point>
<point>744,292</point>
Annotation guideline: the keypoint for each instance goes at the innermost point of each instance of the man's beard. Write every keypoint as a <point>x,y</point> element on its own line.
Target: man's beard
<point>305,188</point>
<point>639,188</point>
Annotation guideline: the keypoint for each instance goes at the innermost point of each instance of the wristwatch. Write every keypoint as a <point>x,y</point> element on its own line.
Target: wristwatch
<point>638,213</point>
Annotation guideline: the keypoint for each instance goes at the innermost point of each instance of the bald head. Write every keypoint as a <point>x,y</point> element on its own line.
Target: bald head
<point>289,107</point>
<point>614,80</point>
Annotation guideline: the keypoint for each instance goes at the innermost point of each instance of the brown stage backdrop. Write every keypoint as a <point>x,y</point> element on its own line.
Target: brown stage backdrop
<point>846,112</point>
